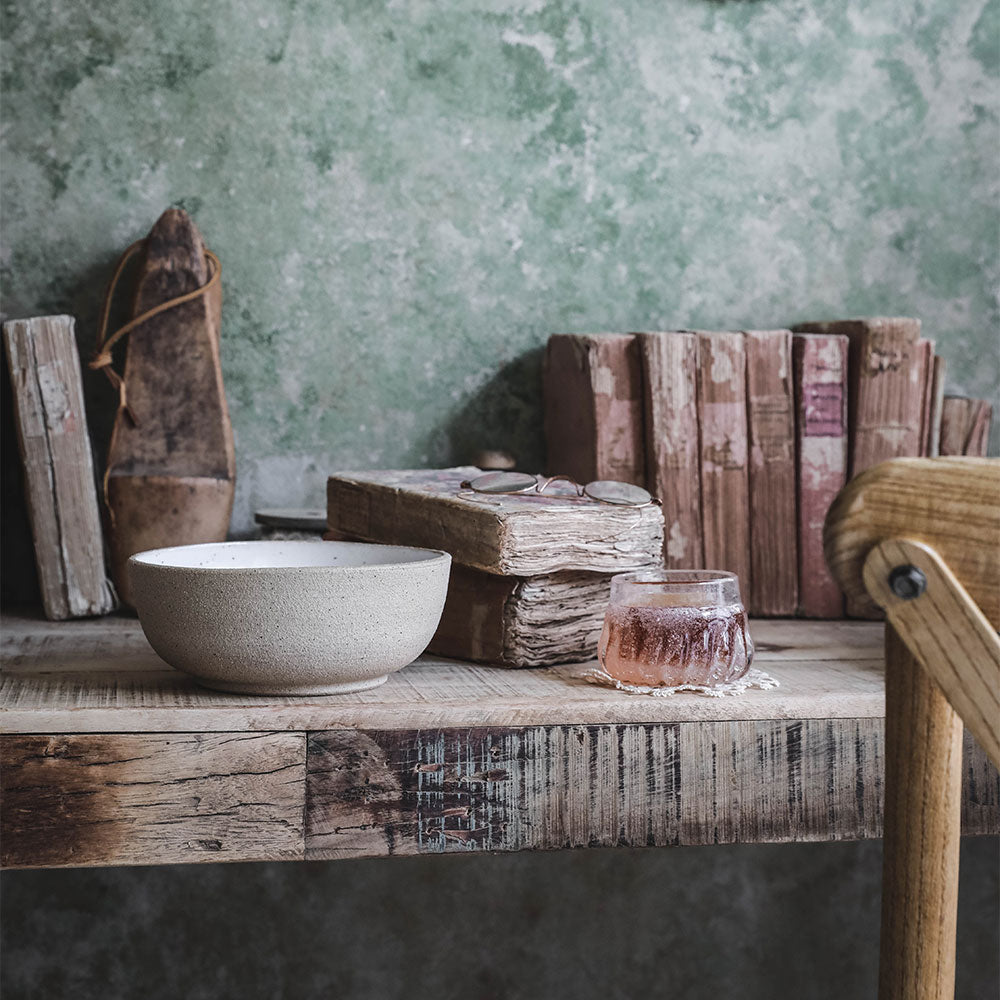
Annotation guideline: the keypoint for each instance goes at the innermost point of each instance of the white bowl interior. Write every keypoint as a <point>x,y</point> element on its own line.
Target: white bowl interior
<point>282,555</point>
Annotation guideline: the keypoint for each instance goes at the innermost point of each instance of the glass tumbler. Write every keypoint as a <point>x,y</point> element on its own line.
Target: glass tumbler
<point>664,628</point>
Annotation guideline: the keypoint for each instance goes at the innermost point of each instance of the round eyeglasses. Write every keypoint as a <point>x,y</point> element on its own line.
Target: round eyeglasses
<point>520,483</point>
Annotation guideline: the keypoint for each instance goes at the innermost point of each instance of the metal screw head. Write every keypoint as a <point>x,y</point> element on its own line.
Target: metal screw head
<point>907,582</point>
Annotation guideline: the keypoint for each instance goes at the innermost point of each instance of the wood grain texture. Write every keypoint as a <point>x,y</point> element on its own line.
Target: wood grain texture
<point>593,407</point>
<point>725,495</point>
<point>923,784</point>
<point>820,366</point>
<point>172,471</point>
<point>131,799</point>
<point>102,676</point>
<point>58,466</point>
<point>444,756</point>
<point>673,465</point>
<point>771,430</point>
<point>950,504</point>
<point>946,633</point>
<point>374,793</point>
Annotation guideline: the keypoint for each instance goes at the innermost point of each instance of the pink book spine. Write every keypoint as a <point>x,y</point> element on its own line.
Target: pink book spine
<point>886,393</point>
<point>820,367</point>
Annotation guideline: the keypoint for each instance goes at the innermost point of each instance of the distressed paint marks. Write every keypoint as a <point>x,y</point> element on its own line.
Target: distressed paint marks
<point>442,187</point>
<point>412,792</point>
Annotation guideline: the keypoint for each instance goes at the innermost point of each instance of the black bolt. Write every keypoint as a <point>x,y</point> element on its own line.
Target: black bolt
<point>907,582</point>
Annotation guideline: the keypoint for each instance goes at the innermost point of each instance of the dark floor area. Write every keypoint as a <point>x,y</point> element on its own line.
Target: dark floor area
<point>750,922</point>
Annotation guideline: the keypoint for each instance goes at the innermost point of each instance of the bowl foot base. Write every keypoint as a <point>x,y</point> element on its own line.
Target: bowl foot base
<point>264,688</point>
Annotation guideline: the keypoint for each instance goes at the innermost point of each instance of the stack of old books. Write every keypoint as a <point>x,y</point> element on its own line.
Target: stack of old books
<point>748,436</point>
<point>531,574</point>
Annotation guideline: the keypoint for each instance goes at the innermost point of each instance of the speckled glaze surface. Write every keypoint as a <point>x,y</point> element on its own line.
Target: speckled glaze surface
<point>293,618</point>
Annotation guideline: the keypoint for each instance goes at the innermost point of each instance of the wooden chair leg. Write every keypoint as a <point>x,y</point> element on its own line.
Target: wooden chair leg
<point>923,784</point>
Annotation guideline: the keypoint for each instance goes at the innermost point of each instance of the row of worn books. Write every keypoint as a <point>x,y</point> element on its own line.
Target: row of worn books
<point>531,575</point>
<point>748,436</point>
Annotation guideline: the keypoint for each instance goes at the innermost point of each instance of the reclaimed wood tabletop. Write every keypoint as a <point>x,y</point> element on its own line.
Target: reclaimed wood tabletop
<point>111,757</point>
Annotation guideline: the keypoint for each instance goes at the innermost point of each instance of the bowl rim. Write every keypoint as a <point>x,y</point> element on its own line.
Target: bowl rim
<point>431,556</point>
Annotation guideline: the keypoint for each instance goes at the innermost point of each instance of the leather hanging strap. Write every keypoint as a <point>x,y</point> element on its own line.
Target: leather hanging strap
<point>102,359</point>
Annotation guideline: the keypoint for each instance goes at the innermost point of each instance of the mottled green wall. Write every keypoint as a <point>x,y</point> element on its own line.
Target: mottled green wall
<point>407,198</point>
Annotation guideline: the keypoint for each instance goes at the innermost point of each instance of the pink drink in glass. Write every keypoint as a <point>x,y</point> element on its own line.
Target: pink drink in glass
<point>670,627</point>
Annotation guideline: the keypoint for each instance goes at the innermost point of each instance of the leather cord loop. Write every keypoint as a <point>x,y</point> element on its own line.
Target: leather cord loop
<point>102,359</point>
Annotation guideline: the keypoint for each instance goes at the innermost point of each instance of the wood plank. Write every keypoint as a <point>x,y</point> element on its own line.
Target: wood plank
<point>113,682</point>
<point>373,793</point>
<point>58,466</point>
<point>446,756</point>
<point>72,801</point>
<point>946,633</point>
<point>922,830</point>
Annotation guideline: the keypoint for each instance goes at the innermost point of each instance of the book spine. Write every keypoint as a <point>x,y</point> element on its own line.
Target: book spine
<point>937,402</point>
<point>954,424</point>
<point>771,429</point>
<point>978,439</point>
<point>820,378</point>
<point>965,426</point>
<point>670,406</point>
<point>593,407</point>
<point>722,412</point>
<point>885,387</point>
<point>925,350</point>
<point>472,622</point>
<point>59,468</point>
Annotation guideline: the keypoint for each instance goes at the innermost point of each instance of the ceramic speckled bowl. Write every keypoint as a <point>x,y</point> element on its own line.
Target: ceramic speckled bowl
<point>289,617</point>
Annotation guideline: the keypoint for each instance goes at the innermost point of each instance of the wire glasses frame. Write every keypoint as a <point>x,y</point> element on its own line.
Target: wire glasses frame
<point>602,490</point>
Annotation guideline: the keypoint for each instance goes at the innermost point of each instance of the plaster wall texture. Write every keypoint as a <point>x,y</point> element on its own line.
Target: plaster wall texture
<point>409,197</point>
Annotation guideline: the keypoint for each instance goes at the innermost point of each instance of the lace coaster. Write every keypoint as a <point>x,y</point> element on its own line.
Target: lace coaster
<point>752,679</point>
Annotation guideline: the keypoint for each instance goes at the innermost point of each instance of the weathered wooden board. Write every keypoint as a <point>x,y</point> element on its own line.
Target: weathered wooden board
<point>111,757</point>
<point>171,469</point>
<point>58,466</point>
<point>373,793</point>
<point>106,678</point>
<point>126,799</point>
